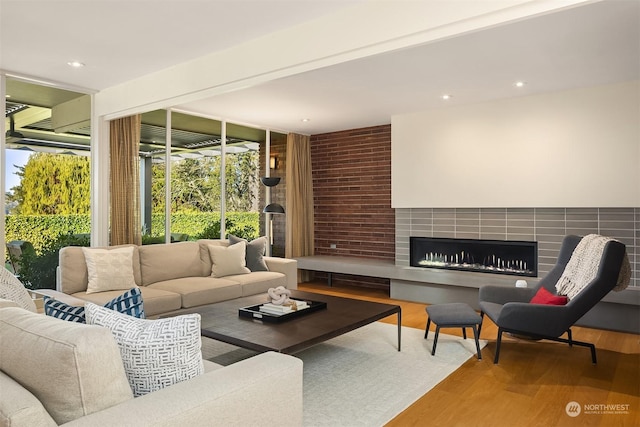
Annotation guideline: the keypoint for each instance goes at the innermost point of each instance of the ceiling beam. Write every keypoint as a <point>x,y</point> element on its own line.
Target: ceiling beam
<point>30,116</point>
<point>370,28</point>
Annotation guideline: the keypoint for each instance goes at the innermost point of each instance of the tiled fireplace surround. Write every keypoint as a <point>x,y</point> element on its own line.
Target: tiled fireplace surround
<point>547,226</point>
<point>354,218</point>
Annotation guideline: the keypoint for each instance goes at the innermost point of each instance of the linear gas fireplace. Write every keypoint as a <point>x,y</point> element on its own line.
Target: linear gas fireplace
<point>517,258</point>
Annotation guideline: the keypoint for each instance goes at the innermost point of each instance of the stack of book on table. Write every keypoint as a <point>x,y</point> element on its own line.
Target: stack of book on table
<point>279,310</point>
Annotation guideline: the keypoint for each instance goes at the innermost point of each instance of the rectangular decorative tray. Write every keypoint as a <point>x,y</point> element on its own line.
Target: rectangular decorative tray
<point>253,312</point>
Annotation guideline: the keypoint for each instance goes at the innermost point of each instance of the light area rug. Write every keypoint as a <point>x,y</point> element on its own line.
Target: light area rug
<point>360,379</point>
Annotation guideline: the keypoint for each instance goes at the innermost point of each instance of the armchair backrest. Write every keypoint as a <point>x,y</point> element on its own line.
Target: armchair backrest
<point>600,286</point>
<point>549,281</point>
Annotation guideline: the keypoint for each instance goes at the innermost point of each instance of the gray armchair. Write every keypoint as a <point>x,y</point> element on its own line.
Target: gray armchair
<point>510,310</point>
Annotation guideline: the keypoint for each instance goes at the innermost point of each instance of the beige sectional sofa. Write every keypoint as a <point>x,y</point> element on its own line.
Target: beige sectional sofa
<point>173,277</point>
<point>54,372</point>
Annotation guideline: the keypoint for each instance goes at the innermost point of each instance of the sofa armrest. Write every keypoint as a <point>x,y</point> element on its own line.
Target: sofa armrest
<point>7,303</point>
<point>60,296</point>
<point>286,266</point>
<point>265,389</point>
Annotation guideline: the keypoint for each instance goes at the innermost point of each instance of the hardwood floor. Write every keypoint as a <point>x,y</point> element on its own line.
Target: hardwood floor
<point>532,384</point>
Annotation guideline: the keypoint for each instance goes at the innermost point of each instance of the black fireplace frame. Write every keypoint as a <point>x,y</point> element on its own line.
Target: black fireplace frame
<point>501,258</point>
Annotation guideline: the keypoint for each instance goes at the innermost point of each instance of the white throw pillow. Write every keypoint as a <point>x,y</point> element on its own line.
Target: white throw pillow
<point>228,260</point>
<point>155,353</point>
<point>13,290</point>
<point>109,269</point>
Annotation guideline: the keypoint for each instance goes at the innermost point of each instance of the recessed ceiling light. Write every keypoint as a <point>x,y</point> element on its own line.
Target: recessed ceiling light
<point>446,96</point>
<point>75,64</point>
<point>306,120</point>
<point>519,84</point>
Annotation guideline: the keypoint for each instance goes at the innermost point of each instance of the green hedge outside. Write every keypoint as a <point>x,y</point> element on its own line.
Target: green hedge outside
<point>42,230</point>
<point>207,224</point>
<point>49,233</point>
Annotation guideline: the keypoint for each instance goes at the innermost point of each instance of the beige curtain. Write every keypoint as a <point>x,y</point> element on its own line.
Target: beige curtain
<point>299,201</point>
<point>125,181</point>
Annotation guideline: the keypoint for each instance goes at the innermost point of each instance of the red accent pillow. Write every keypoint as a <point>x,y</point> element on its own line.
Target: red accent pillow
<point>543,296</point>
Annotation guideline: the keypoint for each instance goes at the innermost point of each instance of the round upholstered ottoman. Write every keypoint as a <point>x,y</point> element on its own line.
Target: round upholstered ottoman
<point>454,315</point>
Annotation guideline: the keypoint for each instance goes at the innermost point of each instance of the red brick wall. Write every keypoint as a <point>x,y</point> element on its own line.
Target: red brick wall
<point>352,195</point>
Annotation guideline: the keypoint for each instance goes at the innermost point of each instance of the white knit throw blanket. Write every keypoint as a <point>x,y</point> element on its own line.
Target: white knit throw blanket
<point>584,264</point>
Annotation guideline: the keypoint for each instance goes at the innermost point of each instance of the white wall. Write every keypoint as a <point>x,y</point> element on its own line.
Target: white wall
<point>578,148</point>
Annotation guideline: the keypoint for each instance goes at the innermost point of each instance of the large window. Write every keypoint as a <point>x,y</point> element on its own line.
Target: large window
<point>152,176</point>
<point>201,196</point>
<point>213,187</point>
<point>46,176</point>
<point>242,180</point>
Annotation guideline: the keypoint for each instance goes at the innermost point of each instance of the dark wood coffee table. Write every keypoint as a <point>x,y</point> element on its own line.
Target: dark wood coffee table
<point>221,322</point>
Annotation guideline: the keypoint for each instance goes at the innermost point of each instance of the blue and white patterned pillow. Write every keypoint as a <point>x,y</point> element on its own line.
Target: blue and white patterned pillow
<point>55,308</point>
<point>155,353</point>
<point>128,303</point>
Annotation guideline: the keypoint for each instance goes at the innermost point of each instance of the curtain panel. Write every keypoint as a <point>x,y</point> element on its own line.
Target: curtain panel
<point>125,181</point>
<point>299,199</point>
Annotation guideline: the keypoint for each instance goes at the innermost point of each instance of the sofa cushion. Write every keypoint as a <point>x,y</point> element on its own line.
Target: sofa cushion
<point>84,360</point>
<point>227,261</point>
<point>259,281</point>
<point>74,276</point>
<point>129,303</point>
<point>18,407</point>
<point>109,269</point>
<point>156,301</point>
<point>196,291</point>
<point>12,289</point>
<point>169,261</point>
<point>155,353</point>
<point>254,255</point>
<point>205,257</point>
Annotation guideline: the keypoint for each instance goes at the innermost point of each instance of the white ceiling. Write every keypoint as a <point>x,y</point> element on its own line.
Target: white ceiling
<point>596,43</point>
<point>120,40</point>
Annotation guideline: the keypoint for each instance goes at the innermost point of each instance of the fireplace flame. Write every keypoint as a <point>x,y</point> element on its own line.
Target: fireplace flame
<point>467,261</point>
